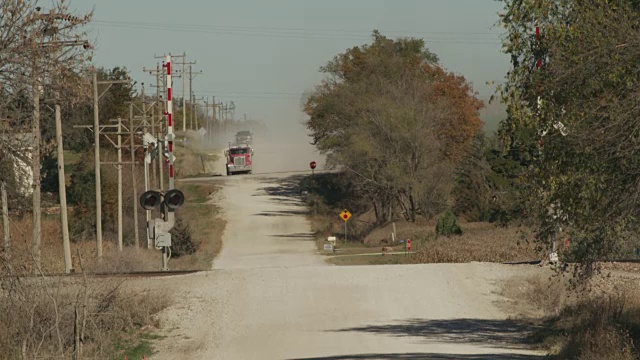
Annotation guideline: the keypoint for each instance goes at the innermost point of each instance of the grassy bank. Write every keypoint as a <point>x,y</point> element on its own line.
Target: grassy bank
<point>47,317</point>
<point>598,320</point>
<point>205,226</point>
<point>484,242</point>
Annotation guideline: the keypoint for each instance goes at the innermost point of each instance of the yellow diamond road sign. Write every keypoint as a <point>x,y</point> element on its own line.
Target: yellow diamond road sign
<point>345,215</point>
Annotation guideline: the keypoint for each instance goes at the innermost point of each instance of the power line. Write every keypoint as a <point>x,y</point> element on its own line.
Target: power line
<point>250,93</point>
<point>300,34</point>
<point>317,30</point>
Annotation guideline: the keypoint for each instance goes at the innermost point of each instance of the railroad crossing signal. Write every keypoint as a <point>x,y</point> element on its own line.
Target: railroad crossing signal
<point>159,229</point>
<point>345,215</point>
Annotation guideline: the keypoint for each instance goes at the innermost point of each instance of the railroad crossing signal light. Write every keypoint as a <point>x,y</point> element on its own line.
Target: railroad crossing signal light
<point>150,200</point>
<point>173,199</point>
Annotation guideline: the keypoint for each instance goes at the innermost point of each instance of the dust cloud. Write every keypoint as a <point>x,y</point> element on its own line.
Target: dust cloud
<point>278,146</point>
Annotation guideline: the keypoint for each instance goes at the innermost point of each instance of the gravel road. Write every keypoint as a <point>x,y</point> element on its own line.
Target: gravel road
<point>271,296</point>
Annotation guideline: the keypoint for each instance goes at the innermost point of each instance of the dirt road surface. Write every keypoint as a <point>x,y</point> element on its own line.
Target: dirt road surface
<point>271,296</point>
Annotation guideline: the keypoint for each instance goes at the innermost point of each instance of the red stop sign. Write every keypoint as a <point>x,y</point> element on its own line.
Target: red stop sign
<point>312,165</point>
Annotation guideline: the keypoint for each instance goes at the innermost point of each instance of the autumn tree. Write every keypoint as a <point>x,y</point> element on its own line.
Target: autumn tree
<point>396,121</point>
<point>580,73</point>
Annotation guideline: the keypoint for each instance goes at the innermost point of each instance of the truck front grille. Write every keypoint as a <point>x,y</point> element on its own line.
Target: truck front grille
<point>239,161</point>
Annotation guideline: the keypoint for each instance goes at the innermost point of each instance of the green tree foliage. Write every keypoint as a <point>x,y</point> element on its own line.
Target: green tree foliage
<point>181,241</point>
<point>448,225</point>
<point>488,184</point>
<point>586,181</point>
<point>396,122</point>
<point>472,192</point>
<point>50,174</point>
<point>113,104</point>
<point>81,193</point>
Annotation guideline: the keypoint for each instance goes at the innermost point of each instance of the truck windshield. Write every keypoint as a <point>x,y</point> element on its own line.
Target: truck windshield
<point>239,151</point>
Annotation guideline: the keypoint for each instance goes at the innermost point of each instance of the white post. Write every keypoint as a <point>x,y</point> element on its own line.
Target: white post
<point>119,185</point>
<point>96,135</point>
<point>345,232</point>
<point>394,232</point>
<point>66,246</point>
<point>136,231</point>
<point>5,219</point>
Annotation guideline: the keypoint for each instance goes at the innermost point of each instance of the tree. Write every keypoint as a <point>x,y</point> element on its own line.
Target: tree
<point>472,191</point>
<point>39,60</point>
<point>113,104</point>
<point>396,122</point>
<point>585,180</point>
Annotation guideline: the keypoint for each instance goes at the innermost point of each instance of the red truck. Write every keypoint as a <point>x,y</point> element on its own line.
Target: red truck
<point>239,159</point>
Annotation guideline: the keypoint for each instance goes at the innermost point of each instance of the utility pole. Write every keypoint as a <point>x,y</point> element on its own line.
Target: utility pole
<point>118,164</point>
<point>133,175</point>
<point>206,116</point>
<point>195,110</point>
<point>96,139</point>
<point>156,129</point>
<point>146,165</point>
<point>35,168</point>
<point>192,76</point>
<point>184,100</point>
<point>5,219</point>
<point>232,109</point>
<point>96,130</point>
<point>191,95</point>
<point>68,266</point>
<point>216,118</point>
<point>119,185</point>
<point>50,24</point>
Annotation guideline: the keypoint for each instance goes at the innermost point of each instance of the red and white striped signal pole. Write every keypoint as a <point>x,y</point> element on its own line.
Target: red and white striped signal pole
<point>170,123</point>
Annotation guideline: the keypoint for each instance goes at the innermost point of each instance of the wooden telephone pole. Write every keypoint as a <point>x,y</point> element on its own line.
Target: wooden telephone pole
<point>96,127</point>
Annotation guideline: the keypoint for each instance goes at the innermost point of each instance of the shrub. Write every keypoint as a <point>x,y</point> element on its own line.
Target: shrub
<point>181,240</point>
<point>448,225</point>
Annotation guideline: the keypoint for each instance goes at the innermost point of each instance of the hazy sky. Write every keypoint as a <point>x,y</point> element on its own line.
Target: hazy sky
<point>262,54</point>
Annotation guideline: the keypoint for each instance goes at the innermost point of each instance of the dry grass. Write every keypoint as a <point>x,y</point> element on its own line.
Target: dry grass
<point>52,255</point>
<point>55,318</point>
<point>194,158</point>
<point>370,260</point>
<point>482,242</point>
<point>206,226</point>
<point>41,317</point>
<point>599,320</point>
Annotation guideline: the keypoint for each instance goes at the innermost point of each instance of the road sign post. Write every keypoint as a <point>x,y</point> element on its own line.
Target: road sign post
<point>345,215</point>
<point>312,165</point>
